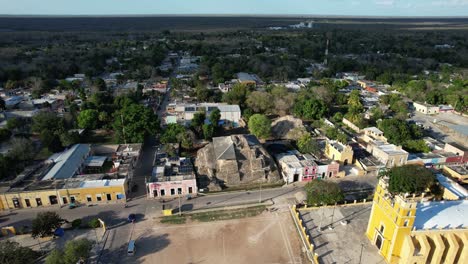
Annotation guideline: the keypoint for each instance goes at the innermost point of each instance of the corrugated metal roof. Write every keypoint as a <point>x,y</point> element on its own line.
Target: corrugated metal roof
<point>68,162</point>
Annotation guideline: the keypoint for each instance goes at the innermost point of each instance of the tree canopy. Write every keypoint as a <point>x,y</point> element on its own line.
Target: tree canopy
<point>321,192</point>
<point>12,253</point>
<point>138,123</point>
<point>74,251</point>
<point>409,179</point>
<point>45,224</point>
<point>88,119</point>
<point>310,108</point>
<point>260,126</point>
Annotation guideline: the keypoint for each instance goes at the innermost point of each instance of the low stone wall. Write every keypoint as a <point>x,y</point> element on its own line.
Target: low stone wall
<point>306,240</point>
<point>351,125</point>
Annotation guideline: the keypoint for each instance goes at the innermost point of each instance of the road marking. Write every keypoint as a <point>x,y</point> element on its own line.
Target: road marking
<point>286,240</point>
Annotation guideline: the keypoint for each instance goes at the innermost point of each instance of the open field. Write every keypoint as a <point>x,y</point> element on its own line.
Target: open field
<point>267,238</point>
<point>216,23</point>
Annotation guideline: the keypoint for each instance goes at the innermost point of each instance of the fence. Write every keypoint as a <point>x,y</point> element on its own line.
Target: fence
<point>306,241</point>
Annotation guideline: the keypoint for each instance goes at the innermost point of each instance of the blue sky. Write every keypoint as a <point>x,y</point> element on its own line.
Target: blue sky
<point>263,7</point>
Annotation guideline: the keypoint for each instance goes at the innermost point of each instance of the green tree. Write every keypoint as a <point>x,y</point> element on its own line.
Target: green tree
<point>202,93</point>
<point>215,116</point>
<point>416,146</point>
<point>49,127</point>
<point>237,95</point>
<point>307,144</point>
<point>5,134</point>
<point>260,102</point>
<point>88,119</point>
<point>310,109</point>
<point>260,126</point>
<point>74,251</point>
<point>99,85</point>
<point>198,120</point>
<point>208,131</point>
<point>45,224</point>
<point>172,133</point>
<point>321,192</point>
<point>22,149</point>
<point>138,123</point>
<point>409,179</point>
<point>13,253</point>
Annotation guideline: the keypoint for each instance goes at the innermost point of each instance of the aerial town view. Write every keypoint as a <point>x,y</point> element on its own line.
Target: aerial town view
<point>234,132</point>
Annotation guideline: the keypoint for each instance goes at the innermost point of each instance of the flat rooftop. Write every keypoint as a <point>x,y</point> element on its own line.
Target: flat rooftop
<point>452,186</point>
<point>442,215</point>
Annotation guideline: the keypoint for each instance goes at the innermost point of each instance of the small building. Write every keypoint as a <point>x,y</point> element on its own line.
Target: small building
<point>184,113</point>
<point>458,149</point>
<point>78,175</point>
<point>247,78</point>
<point>389,154</point>
<point>296,167</point>
<point>171,176</point>
<point>374,133</point>
<point>336,151</point>
<point>426,109</point>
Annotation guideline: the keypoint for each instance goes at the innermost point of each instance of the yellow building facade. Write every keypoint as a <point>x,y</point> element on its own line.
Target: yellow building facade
<point>336,151</point>
<point>404,231</point>
<point>78,192</point>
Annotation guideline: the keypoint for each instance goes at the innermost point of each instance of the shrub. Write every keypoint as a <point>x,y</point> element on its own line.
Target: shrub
<point>76,223</point>
<point>94,223</point>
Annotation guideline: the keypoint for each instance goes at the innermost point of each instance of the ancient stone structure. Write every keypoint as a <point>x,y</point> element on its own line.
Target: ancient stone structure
<point>236,160</point>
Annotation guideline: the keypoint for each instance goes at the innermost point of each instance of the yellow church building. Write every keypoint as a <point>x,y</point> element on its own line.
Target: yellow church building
<point>418,229</point>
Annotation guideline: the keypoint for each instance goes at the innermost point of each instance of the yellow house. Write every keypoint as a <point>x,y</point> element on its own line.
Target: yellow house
<point>61,193</point>
<point>413,229</point>
<point>336,151</point>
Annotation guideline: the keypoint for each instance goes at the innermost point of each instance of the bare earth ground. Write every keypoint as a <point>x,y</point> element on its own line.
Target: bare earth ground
<point>267,238</point>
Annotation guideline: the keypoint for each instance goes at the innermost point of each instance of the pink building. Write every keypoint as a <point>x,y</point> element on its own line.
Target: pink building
<point>171,177</point>
<point>297,167</point>
<point>177,185</point>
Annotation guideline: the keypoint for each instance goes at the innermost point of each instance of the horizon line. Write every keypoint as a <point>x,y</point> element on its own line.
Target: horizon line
<point>224,15</point>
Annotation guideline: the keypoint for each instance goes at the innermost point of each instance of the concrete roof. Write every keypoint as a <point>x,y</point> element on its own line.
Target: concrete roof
<point>452,186</point>
<point>95,161</point>
<point>443,214</point>
<point>67,162</point>
<point>102,183</point>
<point>374,130</point>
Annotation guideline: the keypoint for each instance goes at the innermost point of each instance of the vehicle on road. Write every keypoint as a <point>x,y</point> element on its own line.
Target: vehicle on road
<point>131,248</point>
<point>72,205</point>
<point>131,218</point>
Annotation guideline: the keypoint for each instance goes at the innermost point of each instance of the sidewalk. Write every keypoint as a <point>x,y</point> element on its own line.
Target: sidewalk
<point>49,243</point>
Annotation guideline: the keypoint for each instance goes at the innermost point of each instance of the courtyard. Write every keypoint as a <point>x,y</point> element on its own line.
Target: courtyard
<point>342,239</point>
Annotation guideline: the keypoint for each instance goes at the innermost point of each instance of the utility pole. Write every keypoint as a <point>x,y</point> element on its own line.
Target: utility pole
<point>333,214</point>
<point>260,200</point>
<point>180,209</point>
<point>360,255</point>
<point>321,218</point>
<point>123,129</point>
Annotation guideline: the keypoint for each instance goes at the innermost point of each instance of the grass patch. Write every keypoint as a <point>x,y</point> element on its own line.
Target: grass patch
<point>215,215</point>
<point>228,214</point>
<point>174,219</point>
<point>249,187</point>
